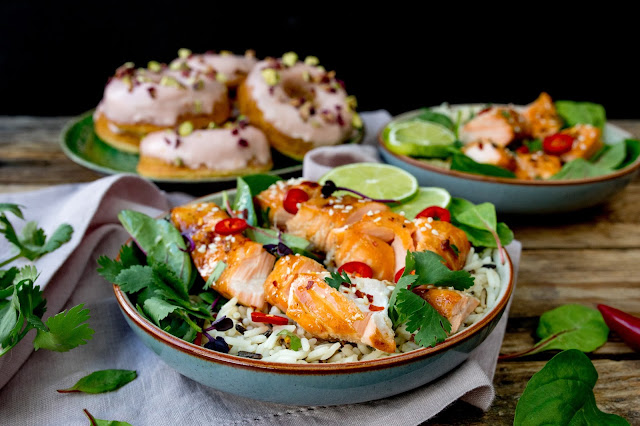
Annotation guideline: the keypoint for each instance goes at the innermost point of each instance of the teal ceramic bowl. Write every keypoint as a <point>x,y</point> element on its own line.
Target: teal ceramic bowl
<point>316,384</point>
<point>519,196</point>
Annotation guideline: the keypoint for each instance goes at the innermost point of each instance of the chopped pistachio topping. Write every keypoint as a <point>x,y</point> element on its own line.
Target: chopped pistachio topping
<point>311,60</point>
<point>250,53</point>
<point>127,80</point>
<point>290,59</point>
<point>128,65</point>
<point>185,129</point>
<point>321,68</point>
<point>197,106</point>
<point>198,85</point>
<point>169,81</point>
<point>228,125</point>
<point>241,117</point>
<point>351,102</point>
<point>178,162</point>
<point>356,121</point>
<point>226,52</point>
<point>143,79</point>
<point>306,76</point>
<point>271,76</point>
<point>177,65</point>
<point>154,66</point>
<point>184,53</point>
<point>212,125</point>
<point>221,77</point>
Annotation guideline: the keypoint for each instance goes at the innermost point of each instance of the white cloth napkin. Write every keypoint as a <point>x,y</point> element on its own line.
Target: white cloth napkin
<point>159,395</point>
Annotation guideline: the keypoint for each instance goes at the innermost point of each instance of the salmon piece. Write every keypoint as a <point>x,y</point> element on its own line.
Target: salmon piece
<point>537,165</point>
<point>587,141</point>
<point>444,239</point>
<point>542,117</point>
<point>454,305</point>
<point>488,153</point>
<point>248,263</point>
<point>352,246</point>
<point>498,125</point>
<point>272,198</point>
<point>278,284</point>
<point>317,217</point>
<point>391,228</point>
<point>358,317</point>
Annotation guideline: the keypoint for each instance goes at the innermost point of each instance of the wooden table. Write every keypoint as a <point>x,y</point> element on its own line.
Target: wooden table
<point>588,257</point>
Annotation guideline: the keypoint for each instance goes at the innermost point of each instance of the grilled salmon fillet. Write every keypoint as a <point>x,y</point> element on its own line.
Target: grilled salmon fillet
<point>277,285</point>
<point>271,199</point>
<point>444,239</point>
<point>542,117</point>
<point>497,125</point>
<point>454,305</point>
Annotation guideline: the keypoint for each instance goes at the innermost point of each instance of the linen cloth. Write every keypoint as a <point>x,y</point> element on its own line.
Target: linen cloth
<point>159,395</point>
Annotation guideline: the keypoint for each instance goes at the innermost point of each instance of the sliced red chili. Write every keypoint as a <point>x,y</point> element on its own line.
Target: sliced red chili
<point>398,275</point>
<point>522,150</point>
<point>557,144</point>
<point>437,213</point>
<point>292,198</point>
<point>231,225</point>
<point>268,318</point>
<point>357,268</point>
<point>374,308</point>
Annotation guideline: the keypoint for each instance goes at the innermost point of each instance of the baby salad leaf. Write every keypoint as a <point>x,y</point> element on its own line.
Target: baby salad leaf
<point>421,318</point>
<point>568,327</point>
<point>65,331</point>
<point>479,223</point>
<point>98,422</point>
<point>430,269</point>
<point>581,113</point>
<point>259,182</point>
<point>102,381</point>
<point>248,187</point>
<point>436,117</point>
<point>633,152</point>
<point>462,163</point>
<point>162,243</point>
<point>612,156</point>
<point>578,169</point>
<point>561,393</point>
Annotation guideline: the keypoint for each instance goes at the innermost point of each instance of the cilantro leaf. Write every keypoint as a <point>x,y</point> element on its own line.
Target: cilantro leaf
<point>292,339</point>
<point>32,242</point>
<point>136,278</point>
<point>421,318</point>
<point>217,271</point>
<point>337,279</point>
<point>111,268</point>
<point>158,309</point>
<point>403,283</point>
<point>66,330</point>
<point>6,281</point>
<point>13,208</point>
<point>430,269</point>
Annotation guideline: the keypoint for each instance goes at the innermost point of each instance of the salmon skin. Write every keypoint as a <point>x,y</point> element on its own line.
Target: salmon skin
<point>542,117</point>
<point>248,263</point>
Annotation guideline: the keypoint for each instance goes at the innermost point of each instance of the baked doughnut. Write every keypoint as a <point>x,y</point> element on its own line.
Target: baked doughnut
<point>225,66</point>
<point>236,149</point>
<point>297,104</point>
<point>143,100</point>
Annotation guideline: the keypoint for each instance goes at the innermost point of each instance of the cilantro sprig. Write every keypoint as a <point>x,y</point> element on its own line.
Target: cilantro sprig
<point>22,303</point>
<point>337,279</point>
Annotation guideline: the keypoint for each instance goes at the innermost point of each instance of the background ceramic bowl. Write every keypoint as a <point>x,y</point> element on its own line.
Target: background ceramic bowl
<point>316,384</point>
<point>518,195</point>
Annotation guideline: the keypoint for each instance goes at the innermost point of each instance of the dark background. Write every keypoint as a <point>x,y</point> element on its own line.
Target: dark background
<point>55,57</point>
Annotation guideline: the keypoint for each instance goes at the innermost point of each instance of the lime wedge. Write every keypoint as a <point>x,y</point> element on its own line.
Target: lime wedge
<point>375,180</point>
<point>426,197</point>
<point>418,138</point>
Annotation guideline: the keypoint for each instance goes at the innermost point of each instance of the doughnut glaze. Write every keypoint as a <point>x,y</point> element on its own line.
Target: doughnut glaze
<point>227,67</point>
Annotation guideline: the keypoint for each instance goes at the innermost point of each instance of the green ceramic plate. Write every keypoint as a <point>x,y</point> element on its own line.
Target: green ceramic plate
<point>80,143</point>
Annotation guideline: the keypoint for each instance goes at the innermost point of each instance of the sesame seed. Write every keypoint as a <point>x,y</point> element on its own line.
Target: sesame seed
<point>330,212</point>
<point>429,219</point>
<point>377,219</point>
<point>434,232</point>
<point>369,213</point>
<point>423,229</point>
<point>202,248</point>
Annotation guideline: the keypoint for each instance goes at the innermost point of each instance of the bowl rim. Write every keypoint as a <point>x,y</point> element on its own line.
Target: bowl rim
<point>494,179</point>
<point>311,369</point>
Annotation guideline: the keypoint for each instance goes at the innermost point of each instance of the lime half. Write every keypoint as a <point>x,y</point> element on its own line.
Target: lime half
<point>418,138</point>
<point>426,197</point>
<point>375,180</point>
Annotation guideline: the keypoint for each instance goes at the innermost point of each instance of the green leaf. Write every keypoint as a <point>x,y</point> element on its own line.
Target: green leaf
<point>6,282</point>
<point>462,163</point>
<point>259,182</point>
<point>405,281</point>
<point>158,309</point>
<point>480,216</point>
<point>162,243</point>
<point>270,236</point>
<point>429,269</point>
<point>27,272</point>
<point>579,169</point>
<point>136,278</point>
<point>581,113</point>
<point>436,117</point>
<point>421,318</point>
<point>110,269</point>
<point>99,422</point>
<point>215,274</point>
<point>633,151</point>
<point>561,393</point>
<point>292,339</point>
<point>612,157</point>
<point>8,321</point>
<point>576,327</point>
<point>67,330</point>
<point>60,236</point>
<point>13,208</point>
<point>480,237</point>
<point>32,242</point>
<point>533,145</point>
<point>337,279</point>
<point>102,381</point>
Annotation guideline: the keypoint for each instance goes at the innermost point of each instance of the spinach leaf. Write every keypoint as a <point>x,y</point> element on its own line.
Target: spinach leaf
<point>436,117</point>
<point>578,169</point>
<point>162,243</point>
<point>102,381</point>
<point>633,152</point>
<point>248,187</point>
<point>433,151</point>
<point>462,163</point>
<point>561,393</point>
<point>533,145</point>
<point>479,223</point>
<point>259,182</point>
<point>572,327</point>
<point>612,156</point>
<point>270,236</point>
<point>99,422</point>
<point>581,113</point>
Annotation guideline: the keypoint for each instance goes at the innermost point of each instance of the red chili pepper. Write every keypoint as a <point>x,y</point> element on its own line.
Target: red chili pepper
<point>398,275</point>
<point>374,308</point>
<point>625,325</point>
<point>522,150</point>
<point>269,319</point>
<point>557,144</point>
<point>292,198</point>
<point>438,213</point>
<point>198,340</point>
<point>231,225</point>
<point>357,268</point>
